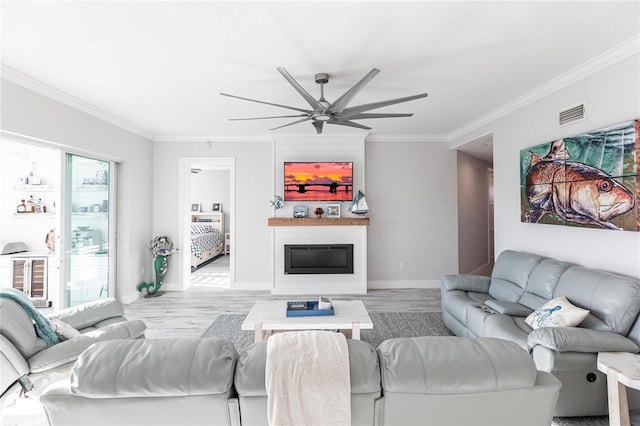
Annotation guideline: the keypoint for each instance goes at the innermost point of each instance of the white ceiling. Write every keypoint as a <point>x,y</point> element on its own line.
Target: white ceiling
<point>162,65</point>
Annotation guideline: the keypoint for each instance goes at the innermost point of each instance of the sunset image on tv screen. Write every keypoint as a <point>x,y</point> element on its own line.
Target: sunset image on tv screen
<point>318,181</point>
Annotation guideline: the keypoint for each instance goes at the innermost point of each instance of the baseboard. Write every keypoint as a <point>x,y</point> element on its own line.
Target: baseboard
<point>403,284</point>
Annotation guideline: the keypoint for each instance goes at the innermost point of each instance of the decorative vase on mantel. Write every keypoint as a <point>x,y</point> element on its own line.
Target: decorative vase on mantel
<point>319,212</point>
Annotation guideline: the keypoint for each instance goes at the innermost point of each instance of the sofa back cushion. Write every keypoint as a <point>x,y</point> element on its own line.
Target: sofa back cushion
<point>612,299</point>
<point>454,365</point>
<point>511,274</point>
<point>154,368</point>
<point>363,363</point>
<point>542,283</point>
<point>17,326</point>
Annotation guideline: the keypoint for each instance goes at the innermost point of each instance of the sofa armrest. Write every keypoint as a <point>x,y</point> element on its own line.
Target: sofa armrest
<point>513,309</point>
<point>89,314</point>
<point>476,283</point>
<point>575,339</point>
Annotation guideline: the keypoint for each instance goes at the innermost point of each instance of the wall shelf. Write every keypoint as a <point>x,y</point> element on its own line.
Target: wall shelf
<point>308,221</point>
<point>33,188</point>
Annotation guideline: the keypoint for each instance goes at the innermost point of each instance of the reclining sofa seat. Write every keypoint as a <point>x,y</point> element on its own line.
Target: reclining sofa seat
<point>22,352</point>
<point>475,306</point>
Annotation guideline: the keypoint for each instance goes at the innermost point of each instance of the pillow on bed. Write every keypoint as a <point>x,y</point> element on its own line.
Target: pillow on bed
<point>199,229</point>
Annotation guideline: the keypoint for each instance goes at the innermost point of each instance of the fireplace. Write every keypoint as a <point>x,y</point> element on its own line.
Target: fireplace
<point>318,259</point>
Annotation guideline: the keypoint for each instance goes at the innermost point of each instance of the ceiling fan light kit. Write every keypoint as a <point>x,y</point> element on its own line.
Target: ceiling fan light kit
<point>331,112</point>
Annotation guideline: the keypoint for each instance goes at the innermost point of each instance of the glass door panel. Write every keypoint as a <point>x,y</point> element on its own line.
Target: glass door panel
<point>87,229</point>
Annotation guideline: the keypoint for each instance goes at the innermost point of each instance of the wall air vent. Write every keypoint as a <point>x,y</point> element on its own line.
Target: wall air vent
<point>572,114</point>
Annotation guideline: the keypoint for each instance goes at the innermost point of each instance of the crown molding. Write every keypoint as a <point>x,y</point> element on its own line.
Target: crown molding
<point>191,138</point>
<point>407,138</point>
<point>15,76</point>
<point>595,64</point>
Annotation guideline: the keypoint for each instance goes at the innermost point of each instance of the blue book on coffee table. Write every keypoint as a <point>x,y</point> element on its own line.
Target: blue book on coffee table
<point>306,309</point>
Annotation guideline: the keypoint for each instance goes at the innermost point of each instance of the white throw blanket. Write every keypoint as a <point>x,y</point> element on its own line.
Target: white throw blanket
<point>307,379</point>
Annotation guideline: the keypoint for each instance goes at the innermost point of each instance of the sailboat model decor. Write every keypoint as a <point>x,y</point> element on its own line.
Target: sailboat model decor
<point>359,205</point>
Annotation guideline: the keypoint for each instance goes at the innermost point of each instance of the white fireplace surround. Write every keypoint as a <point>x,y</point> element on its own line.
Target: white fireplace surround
<point>320,284</point>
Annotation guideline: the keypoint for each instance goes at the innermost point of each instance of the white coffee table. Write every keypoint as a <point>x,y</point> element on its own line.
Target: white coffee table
<point>266,317</point>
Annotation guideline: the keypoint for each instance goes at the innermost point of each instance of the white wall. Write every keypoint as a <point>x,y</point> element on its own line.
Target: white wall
<point>613,96</point>
<point>473,205</point>
<point>254,189</point>
<point>211,186</point>
<point>28,113</point>
<point>412,194</point>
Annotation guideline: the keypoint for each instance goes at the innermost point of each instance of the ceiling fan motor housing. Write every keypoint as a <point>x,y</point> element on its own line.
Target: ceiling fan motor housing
<point>322,78</point>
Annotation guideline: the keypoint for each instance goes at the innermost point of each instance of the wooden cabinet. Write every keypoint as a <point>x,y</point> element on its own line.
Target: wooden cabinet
<point>29,275</point>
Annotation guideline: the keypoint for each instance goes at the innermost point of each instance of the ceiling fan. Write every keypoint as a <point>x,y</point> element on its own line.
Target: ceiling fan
<point>336,112</point>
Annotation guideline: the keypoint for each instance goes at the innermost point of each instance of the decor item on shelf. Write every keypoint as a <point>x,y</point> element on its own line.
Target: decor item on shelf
<point>333,211</point>
<point>216,207</point>
<point>277,204</point>
<point>588,180</point>
<point>332,112</point>
<point>22,207</point>
<point>161,248</point>
<point>359,205</point>
<point>50,240</point>
<point>318,212</point>
<point>300,212</point>
<point>195,207</point>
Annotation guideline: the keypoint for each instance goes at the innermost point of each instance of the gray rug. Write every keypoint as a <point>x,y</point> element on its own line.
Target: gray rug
<point>386,325</point>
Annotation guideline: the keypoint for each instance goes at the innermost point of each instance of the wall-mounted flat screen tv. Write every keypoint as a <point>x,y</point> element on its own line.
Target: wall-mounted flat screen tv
<point>320,181</point>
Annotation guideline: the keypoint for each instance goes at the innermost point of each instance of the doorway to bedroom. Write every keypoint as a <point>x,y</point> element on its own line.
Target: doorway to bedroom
<point>210,217</point>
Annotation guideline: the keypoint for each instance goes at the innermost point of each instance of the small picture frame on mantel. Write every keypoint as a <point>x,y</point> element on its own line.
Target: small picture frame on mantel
<point>333,211</point>
<point>195,207</point>
<point>216,207</point>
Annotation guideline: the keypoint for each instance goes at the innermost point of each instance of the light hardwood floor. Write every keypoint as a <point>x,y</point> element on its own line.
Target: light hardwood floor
<point>189,313</point>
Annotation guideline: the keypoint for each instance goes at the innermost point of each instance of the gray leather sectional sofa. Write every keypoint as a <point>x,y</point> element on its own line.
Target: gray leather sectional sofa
<point>422,381</point>
<point>475,306</point>
<point>24,355</point>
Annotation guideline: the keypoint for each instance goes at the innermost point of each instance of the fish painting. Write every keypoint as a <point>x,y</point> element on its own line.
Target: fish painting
<point>559,185</point>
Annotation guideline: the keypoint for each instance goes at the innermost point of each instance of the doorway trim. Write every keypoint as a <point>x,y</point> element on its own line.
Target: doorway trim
<point>184,212</point>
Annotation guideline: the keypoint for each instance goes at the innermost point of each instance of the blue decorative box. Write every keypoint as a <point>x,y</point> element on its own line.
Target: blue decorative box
<point>306,309</point>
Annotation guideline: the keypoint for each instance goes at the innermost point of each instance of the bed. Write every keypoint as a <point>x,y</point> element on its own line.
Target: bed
<point>207,237</point>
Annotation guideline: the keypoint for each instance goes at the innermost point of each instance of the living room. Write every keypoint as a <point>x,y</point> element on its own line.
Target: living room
<point>85,91</point>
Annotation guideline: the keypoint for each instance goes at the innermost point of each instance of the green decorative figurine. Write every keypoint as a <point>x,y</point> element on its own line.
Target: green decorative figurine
<point>161,248</point>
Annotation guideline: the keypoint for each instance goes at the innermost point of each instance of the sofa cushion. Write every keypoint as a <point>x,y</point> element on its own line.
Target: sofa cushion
<point>363,364</point>
<point>542,282</point>
<point>558,312</point>
<point>511,274</point>
<point>16,325</point>
<point>89,314</point>
<point>162,367</point>
<point>454,365</point>
<point>507,327</point>
<point>69,350</point>
<point>614,300</point>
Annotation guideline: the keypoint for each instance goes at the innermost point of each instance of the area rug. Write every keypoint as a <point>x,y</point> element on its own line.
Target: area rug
<point>386,325</point>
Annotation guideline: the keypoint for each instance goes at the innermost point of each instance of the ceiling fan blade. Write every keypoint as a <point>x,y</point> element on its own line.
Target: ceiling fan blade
<point>341,103</point>
<point>348,124</point>
<point>365,115</point>
<point>265,118</point>
<point>307,97</point>
<point>291,124</point>
<point>266,103</point>
<point>318,126</point>
<point>374,105</point>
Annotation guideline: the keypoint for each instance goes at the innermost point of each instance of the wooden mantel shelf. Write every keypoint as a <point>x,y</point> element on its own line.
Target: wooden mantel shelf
<point>308,221</point>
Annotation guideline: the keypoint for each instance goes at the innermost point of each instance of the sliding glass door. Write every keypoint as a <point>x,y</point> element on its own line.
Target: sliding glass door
<point>89,259</point>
